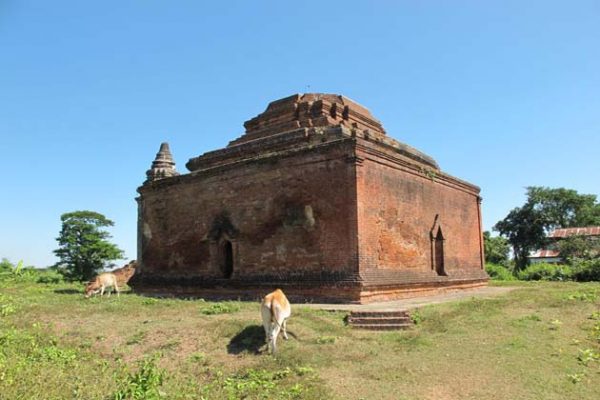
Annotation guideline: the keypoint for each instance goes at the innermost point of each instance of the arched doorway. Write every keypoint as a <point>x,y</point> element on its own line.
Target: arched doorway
<point>227,259</point>
<point>223,247</point>
<point>439,253</point>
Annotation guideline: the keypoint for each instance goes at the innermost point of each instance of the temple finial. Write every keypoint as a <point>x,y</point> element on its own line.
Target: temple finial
<point>163,165</point>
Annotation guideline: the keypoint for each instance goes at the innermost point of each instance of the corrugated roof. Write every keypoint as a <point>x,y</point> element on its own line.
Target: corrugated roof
<point>544,253</point>
<point>584,231</point>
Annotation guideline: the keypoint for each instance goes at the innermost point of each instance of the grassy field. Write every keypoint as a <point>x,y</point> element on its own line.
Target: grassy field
<point>541,341</point>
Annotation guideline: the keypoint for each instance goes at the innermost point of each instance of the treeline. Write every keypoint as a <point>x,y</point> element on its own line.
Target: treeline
<point>526,228</point>
<point>580,271</point>
<point>19,272</point>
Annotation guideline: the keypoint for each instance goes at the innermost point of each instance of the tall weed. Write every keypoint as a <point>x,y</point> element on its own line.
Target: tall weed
<point>143,384</point>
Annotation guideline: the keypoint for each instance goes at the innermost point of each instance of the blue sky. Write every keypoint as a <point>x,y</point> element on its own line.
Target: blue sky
<point>502,94</point>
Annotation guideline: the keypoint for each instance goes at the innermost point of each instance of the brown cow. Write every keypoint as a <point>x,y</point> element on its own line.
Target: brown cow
<point>100,283</point>
<point>275,309</point>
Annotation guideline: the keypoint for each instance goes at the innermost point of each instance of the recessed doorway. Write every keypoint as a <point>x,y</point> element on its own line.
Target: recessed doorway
<point>227,259</point>
<point>439,253</point>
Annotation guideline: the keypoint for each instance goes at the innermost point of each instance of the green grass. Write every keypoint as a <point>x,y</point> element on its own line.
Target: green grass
<point>225,307</point>
<point>541,341</point>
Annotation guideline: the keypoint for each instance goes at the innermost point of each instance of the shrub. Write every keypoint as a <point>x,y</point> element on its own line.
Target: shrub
<point>498,272</point>
<point>143,384</point>
<point>579,247</point>
<point>416,317</point>
<point>17,272</point>
<point>6,265</point>
<point>545,272</point>
<point>49,277</point>
<point>496,248</point>
<point>586,270</point>
<point>220,308</point>
<point>8,270</point>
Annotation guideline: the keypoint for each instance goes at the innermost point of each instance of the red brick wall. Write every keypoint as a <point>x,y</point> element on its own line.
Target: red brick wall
<point>397,207</point>
<point>266,202</point>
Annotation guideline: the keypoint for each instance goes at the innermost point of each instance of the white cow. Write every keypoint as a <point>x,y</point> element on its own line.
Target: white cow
<point>100,283</point>
<point>275,309</point>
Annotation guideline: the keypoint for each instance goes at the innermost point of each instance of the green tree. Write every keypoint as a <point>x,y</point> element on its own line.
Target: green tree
<point>5,265</point>
<point>496,249</point>
<point>546,209</point>
<point>564,208</point>
<point>524,230</point>
<point>579,248</point>
<point>84,248</point>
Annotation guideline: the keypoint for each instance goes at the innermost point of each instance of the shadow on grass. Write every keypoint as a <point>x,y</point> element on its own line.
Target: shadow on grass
<point>68,291</point>
<point>250,339</point>
<point>75,291</point>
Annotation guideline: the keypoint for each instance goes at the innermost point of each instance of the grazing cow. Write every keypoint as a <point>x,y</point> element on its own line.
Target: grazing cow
<point>100,283</point>
<point>275,310</point>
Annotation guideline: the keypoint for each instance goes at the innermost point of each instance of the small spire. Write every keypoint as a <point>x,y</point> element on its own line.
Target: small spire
<point>163,165</point>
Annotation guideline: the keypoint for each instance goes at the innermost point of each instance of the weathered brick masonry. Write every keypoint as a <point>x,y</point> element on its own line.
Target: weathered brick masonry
<point>314,198</point>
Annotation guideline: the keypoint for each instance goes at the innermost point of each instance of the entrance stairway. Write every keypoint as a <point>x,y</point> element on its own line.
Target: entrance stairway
<point>380,320</point>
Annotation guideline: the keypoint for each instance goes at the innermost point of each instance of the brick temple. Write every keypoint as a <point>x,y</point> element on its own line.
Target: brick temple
<point>313,198</point>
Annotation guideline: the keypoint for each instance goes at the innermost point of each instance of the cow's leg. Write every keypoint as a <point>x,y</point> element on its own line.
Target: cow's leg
<point>117,289</point>
<point>284,329</point>
<point>265,313</point>
<point>274,334</point>
<point>101,290</point>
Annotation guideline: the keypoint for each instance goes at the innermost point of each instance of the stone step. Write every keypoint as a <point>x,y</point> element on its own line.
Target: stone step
<point>382,327</point>
<point>379,320</point>
<point>375,314</point>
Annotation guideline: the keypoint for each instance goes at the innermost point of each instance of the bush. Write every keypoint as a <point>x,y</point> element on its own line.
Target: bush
<point>143,384</point>
<point>9,270</point>
<point>586,270</point>
<point>17,272</point>
<point>49,277</point>
<point>579,247</point>
<point>6,265</point>
<point>20,273</point>
<point>496,249</point>
<point>546,272</point>
<point>220,308</point>
<point>498,272</point>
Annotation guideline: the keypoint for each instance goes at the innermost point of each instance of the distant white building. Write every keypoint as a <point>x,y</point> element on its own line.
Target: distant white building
<point>550,254</point>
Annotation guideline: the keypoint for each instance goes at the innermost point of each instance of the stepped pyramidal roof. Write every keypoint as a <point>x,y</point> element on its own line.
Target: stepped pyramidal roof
<point>306,119</point>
